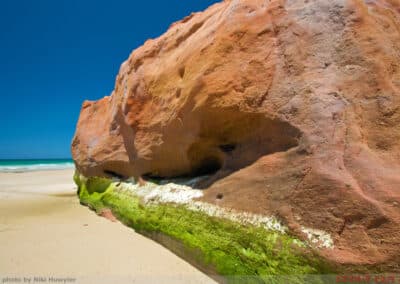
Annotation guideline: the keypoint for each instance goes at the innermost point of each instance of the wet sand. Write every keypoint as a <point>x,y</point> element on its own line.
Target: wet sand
<point>45,232</point>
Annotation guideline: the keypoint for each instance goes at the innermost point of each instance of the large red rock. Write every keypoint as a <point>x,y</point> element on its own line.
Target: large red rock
<point>293,106</point>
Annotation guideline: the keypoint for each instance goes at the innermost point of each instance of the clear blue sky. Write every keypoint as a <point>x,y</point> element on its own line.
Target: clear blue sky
<point>54,54</point>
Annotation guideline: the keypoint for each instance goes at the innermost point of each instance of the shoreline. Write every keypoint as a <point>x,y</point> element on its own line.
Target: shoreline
<point>34,170</point>
<point>44,231</point>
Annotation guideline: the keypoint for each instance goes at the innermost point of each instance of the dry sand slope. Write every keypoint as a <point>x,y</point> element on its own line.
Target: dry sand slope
<point>44,232</point>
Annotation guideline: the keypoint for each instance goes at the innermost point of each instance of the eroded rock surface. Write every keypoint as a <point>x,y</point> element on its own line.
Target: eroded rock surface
<point>292,107</point>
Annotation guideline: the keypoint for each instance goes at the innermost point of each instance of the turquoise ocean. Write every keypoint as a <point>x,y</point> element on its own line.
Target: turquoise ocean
<point>10,166</point>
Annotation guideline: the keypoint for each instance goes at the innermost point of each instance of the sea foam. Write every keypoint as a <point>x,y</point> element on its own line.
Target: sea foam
<point>18,166</point>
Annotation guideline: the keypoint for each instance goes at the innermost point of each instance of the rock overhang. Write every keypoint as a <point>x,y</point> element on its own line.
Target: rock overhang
<point>290,113</point>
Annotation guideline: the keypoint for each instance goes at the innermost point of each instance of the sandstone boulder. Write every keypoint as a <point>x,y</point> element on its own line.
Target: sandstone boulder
<point>291,107</point>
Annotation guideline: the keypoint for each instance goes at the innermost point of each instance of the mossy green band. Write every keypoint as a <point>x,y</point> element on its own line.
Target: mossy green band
<point>229,247</point>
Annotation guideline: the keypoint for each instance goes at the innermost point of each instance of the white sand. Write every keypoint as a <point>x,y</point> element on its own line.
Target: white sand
<point>44,232</point>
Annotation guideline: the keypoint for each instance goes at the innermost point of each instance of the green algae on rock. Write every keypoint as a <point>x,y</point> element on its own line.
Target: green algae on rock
<point>214,244</point>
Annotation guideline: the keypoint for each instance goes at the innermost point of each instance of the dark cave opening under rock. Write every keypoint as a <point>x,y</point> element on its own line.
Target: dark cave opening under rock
<point>230,140</point>
<point>113,174</point>
<point>208,166</point>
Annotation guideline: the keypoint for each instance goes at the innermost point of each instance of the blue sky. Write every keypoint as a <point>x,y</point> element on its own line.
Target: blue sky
<point>56,54</point>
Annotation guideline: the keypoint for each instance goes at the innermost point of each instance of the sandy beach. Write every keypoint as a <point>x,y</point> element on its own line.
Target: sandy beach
<point>45,233</point>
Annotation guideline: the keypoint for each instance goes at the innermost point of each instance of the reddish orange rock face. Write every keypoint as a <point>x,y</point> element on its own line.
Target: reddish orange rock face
<point>292,107</point>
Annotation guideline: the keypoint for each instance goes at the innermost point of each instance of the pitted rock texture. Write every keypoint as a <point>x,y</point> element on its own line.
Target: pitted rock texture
<point>292,107</point>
